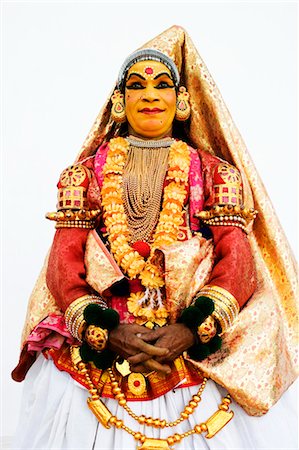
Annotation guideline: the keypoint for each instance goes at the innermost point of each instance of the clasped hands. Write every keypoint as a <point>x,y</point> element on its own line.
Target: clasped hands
<point>147,350</point>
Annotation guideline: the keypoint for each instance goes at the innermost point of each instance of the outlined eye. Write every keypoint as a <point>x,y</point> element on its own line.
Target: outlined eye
<point>164,85</point>
<point>135,85</point>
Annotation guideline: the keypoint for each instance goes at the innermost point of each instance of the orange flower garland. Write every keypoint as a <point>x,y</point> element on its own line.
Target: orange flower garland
<point>146,306</point>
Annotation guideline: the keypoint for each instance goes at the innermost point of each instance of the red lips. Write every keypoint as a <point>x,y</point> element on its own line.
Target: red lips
<point>151,110</point>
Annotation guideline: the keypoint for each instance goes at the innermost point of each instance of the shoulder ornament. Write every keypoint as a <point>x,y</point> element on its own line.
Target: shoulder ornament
<point>72,204</point>
<point>228,208</point>
<point>227,185</point>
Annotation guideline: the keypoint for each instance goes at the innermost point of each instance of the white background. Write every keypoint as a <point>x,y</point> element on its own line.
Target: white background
<point>60,60</point>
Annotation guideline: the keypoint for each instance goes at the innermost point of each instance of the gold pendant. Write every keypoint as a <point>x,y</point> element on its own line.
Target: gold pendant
<point>75,355</point>
<point>154,444</point>
<point>123,368</point>
<point>136,383</point>
<point>101,412</point>
<point>217,421</point>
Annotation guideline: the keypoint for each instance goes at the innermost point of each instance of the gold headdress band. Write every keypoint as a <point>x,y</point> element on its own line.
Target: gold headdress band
<point>144,55</point>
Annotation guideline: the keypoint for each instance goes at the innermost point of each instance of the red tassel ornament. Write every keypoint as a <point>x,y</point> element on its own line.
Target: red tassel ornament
<point>142,248</point>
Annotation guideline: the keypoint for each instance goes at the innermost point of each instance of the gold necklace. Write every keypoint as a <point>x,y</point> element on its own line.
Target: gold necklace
<point>147,306</point>
<point>170,217</point>
<point>143,179</point>
<point>149,421</point>
<point>212,425</point>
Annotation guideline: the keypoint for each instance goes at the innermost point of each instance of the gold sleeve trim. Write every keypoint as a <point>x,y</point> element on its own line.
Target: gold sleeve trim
<point>228,215</point>
<point>74,318</point>
<point>226,306</point>
<point>246,214</point>
<point>74,219</point>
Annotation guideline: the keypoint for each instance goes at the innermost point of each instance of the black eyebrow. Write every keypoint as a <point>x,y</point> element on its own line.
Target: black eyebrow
<point>163,73</point>
<point>137,74</point>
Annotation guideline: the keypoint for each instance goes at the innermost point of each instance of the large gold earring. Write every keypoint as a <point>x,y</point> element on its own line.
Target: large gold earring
<point>118,112</point>
<point>183,109</point>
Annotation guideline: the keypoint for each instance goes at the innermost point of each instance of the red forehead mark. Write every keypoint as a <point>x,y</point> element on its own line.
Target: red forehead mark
<point>148,70</point>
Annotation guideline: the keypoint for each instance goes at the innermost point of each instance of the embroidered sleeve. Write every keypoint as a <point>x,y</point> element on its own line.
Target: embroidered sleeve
<point>77,213</point>
<point>233,278</point>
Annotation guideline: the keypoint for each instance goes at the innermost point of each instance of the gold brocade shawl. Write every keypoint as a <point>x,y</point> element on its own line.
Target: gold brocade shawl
<point>258,359</point>
<point>213,130</point>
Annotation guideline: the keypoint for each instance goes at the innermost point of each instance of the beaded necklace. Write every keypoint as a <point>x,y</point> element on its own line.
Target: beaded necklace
<point>211,426</point>
<point>147,306</point>
<point>143,179</point>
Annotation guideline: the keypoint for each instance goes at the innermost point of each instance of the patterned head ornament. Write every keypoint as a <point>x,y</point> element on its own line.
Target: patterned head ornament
<point>145,55</point>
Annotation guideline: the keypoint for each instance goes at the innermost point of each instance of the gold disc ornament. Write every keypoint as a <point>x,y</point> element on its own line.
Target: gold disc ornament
<point>136,383</point>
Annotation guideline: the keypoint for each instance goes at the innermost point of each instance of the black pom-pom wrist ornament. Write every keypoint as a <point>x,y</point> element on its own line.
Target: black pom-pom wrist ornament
<point>99,322</point>
<point>193,317</point>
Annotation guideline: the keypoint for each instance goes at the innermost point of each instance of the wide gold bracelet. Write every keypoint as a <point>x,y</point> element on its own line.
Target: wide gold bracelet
<point>226,306</point>
<point>74,218</point>
<point>229,221</point>
<point>218,211</point>
<point>74,318</point>
<point>228,216</point>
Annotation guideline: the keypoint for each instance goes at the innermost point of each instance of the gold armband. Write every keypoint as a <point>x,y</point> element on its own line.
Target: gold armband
<point>245,215</point>
<point>226,306</point>
<point>72,206</point>
<point>74,318</point>
<point>228,215</point>
<point>228,209</point>
<point>227,185</point>
<point>74,219</point>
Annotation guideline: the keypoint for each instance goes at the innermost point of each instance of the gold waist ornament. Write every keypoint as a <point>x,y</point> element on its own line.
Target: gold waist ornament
<point>211,426</point>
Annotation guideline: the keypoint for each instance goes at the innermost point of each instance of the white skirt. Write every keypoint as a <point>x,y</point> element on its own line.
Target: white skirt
<point>54,415</point>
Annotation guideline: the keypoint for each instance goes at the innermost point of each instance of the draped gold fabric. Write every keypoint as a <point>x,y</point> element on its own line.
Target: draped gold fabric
<point>213,130</point>
<point>258,360</point>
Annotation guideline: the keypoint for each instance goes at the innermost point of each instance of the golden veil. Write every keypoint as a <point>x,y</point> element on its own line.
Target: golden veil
<point>274,303</point>
<point>258,359</point>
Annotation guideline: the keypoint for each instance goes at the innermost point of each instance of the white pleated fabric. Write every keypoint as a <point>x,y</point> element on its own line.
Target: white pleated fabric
<point>54,415</point>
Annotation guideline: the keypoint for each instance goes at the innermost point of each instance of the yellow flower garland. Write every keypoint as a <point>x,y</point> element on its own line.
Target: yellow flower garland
<point>170,219</point>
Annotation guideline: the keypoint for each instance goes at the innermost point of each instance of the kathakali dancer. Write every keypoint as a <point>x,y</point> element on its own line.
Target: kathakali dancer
<point>169,290</point>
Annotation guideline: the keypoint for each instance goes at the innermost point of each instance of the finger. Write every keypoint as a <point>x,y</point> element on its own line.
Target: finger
<point>151,366</point>
<point>154,335</point>
<point>154,365</point>
<point>138,358</point>
<point>162,359</point>
<point>140,368</point>
<point>151,349</point>
<point>140,329</point>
